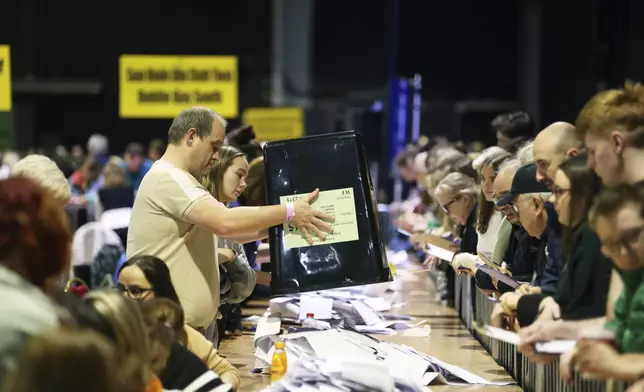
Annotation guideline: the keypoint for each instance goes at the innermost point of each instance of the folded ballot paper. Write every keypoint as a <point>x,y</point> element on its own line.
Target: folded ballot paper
<point>553,347</point>
<point>343,345</point>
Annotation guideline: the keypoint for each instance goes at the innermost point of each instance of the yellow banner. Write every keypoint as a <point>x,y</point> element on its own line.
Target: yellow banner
<point>275,123</point>
<point>5,79</point>
<point>162,86</point>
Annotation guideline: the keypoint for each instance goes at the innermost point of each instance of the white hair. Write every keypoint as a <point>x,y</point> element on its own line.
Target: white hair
<point>420,162</point>
<point>46,173</point>
<point>97,144</point>
<point>525,153</point>
<point>486,154</point>
<point>457,184</point>
<point>511,164</point>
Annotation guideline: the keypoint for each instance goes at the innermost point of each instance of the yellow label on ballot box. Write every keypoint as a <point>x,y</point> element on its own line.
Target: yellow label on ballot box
<point>338,202</point>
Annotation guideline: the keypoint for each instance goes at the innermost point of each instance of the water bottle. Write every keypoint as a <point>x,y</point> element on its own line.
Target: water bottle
<point>279,364</point>
<point>312,323</point>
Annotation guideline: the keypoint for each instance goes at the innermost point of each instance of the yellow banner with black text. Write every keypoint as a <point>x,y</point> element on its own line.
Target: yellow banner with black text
<point>5,79</point>
<point>161,86</point>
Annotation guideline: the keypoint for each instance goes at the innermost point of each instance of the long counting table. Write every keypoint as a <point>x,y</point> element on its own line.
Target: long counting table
<point>450,341</point>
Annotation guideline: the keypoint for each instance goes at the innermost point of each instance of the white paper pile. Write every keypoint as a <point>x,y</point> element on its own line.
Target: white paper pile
<point>337,346</point>
<point>362,311</point>
<point>317,374</point>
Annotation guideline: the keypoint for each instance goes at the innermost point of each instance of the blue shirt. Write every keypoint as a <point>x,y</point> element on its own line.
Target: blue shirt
<point>135,178</point>
<point>551,272</point>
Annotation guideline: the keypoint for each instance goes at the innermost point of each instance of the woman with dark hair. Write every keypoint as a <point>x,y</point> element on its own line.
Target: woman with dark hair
<point>583,287</point>
<point>244,139</point>
<point>582,291</point>
<point>145,278</point>
<point>34,253</point>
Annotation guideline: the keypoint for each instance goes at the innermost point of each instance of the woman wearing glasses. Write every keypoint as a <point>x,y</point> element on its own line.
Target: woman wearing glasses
<point>146,277</point>
<point>457,196</point>
<point>618,217</point>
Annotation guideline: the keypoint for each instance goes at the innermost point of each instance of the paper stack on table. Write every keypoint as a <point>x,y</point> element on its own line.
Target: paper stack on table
<point>317,374</point>
<point>338,346</point>
<point>352,306</point>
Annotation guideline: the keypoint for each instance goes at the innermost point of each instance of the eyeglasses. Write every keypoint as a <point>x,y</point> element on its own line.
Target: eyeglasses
<point>446,206</point>
<point>558,192</point>
<point>633,235</point>
<point>133,291</point>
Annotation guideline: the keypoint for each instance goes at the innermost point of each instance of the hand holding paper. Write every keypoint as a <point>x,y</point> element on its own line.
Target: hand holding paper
<point>464,261</point>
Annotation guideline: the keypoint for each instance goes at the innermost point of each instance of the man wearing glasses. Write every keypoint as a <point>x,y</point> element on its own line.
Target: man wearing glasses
<point>528,199</point>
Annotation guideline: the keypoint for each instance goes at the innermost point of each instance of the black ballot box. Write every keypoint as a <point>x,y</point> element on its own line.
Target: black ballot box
<point>354,254</point>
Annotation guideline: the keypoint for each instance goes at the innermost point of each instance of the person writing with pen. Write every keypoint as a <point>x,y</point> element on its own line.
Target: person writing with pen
<point>174,217</point>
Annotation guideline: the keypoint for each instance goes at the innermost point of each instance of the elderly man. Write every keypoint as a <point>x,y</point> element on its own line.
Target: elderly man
<point>529,198</point>
<point>515,246</point>
<point>552,146</point>
<point>174,216</point>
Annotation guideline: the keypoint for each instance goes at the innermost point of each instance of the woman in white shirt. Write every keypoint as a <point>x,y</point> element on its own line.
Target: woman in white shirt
<point>489,219</point>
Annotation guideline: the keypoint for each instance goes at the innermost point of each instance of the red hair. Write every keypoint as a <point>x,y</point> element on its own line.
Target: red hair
<point>35,228</point>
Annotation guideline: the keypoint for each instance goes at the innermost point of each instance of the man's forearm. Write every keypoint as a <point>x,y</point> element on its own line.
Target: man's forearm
<point>250,237</point>
<point>572,329</point>
<point>241,221</point>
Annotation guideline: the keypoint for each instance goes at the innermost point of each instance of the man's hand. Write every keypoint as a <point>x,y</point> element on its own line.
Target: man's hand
<point>566,361</point>
<point>599,359</point>
<point>637,387</point>
<point>527,289</point>
<point>549,310</point>
<point>497,316</point>
<point>309,221</point>
<point>539,331</point>
<point>509,302</point>
<point>464,261</point>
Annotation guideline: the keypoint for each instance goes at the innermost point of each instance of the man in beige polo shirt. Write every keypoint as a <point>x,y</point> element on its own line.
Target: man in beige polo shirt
<point>174,217</point>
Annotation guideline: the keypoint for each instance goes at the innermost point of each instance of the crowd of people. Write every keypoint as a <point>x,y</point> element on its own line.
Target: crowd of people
<point>187,261</point>
<point>561,211</point>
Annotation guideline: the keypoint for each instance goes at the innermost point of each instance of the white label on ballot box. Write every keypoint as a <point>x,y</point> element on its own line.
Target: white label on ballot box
<point>338,202</point>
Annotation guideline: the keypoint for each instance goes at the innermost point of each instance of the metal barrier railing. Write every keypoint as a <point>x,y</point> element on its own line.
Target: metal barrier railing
<point>531,377</point>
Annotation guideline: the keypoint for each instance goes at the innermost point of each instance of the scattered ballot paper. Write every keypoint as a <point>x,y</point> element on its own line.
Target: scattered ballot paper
<point>320,307</point>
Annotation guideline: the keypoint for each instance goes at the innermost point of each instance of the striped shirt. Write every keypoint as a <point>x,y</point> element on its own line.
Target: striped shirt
<point>185,372</point>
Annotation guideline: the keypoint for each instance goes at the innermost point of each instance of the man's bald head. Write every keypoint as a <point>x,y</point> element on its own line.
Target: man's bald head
<point>552,146</point>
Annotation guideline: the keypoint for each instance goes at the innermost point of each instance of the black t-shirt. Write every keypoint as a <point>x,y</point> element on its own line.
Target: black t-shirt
<point>185,371</point>
<point>119,197</point>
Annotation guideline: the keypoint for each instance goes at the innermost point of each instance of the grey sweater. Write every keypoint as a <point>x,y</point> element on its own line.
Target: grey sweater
<point>236,278</point>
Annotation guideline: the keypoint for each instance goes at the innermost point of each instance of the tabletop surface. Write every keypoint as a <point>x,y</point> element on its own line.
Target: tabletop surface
<point>449,340</point>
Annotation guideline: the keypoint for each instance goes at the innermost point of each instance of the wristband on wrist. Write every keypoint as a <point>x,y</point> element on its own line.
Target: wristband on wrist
<point>290,212</point>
